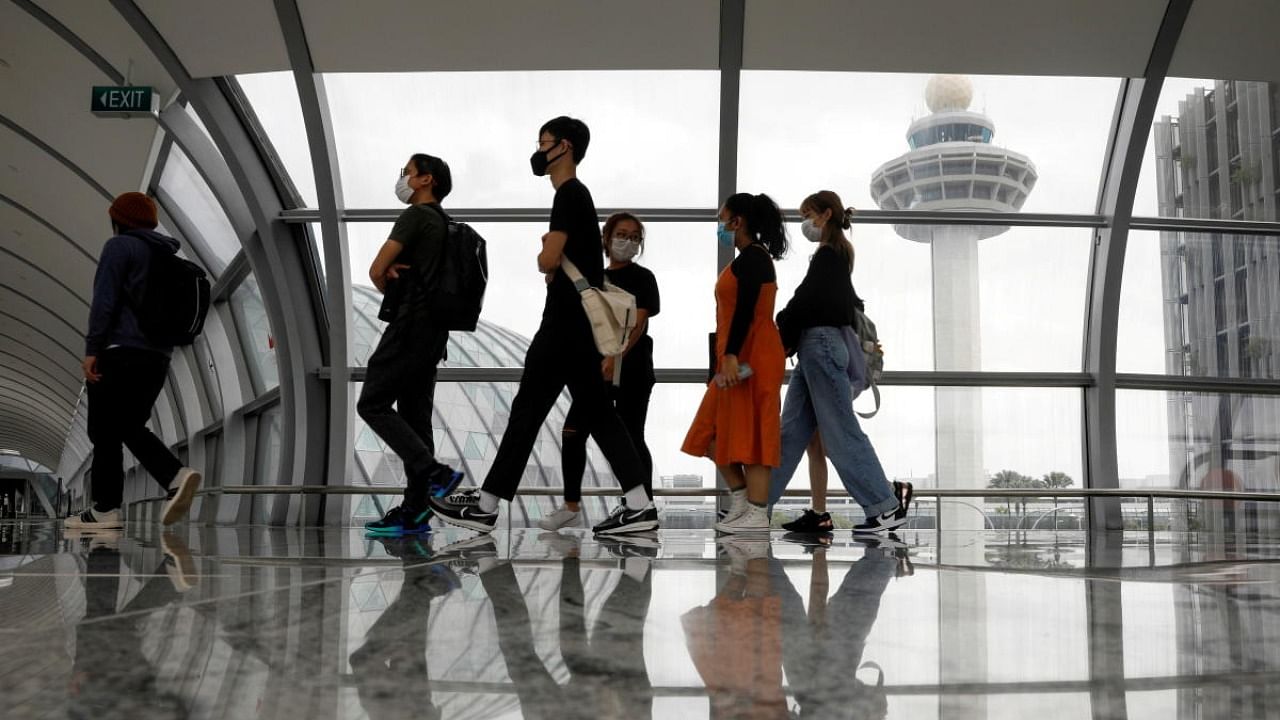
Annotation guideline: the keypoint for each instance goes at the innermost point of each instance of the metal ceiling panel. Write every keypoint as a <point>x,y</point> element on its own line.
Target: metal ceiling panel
<point>407,35</point>
<point>227,37</point>
<point>1230,40</point>
<point>1003,37</point>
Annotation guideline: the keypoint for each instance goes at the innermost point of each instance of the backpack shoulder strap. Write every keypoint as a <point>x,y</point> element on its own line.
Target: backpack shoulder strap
<point>875,393</point>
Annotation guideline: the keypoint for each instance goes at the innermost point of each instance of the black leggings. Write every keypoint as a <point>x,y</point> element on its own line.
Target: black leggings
<point>631,400</point>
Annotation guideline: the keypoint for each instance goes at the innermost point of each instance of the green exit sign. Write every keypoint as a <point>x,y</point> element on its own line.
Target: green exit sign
<point>115,100</point>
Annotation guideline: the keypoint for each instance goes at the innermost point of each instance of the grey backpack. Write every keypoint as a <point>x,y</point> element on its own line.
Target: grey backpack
<point>873,356</point>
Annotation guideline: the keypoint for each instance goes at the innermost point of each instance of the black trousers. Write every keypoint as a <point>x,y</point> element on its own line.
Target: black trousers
<point>119,409</point>
<point>562,354</point>
<point>402,372</point>
<point>631,401</point>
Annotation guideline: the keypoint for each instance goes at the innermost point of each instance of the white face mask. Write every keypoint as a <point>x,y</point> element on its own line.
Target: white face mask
<point>622,249</point>
<point>403,191</point>
<point>811,232</point>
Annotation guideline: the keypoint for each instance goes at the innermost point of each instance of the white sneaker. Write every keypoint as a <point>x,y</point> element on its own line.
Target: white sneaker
<point>562,517</point>
<point>95,520</point>
<point>182,490</point>
<point>737,504</point>
<point>754,519</point>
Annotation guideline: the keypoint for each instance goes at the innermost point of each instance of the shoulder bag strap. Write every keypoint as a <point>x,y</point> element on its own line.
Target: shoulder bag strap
<point>579,282</point>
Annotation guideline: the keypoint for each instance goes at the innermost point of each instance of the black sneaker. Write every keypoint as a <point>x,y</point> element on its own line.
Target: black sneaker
<point>400,520</point>
<point>626,521</point>
<point>810,522</point>
<point>904,491</point>
<point>463,509</point>
<point>879,523</point>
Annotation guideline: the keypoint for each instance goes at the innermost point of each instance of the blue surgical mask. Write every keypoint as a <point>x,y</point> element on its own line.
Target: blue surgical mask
<point>724,235</point>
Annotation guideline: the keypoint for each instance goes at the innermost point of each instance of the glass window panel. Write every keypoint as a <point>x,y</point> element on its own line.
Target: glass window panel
<point>184,184</point>
<point>256,338</point>
<point>274,97</point>
<point>1207,441</point>
<point>485,124</point>
<point>1032,431</point>
<point>1011,302</point>
<point>835,130</point>
<point>681,255</point>
<point>1214,152</point>
<point>266,461</point>
<point>1183,312</point>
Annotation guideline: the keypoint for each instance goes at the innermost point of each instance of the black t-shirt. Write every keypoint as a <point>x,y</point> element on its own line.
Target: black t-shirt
<point>753,268</point>
<point>422,232</point>
<point>574,213</point>
<point>638,281</point>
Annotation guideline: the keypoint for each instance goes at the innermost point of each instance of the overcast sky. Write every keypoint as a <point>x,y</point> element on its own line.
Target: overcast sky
<point>654,144</point>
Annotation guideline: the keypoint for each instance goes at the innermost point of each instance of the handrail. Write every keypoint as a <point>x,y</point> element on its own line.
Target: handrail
<point>941,493</point>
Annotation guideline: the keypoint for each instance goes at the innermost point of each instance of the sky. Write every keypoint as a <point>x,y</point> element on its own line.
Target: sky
<point>655,145</point>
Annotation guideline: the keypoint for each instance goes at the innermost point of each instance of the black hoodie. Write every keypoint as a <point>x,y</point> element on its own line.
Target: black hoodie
<point>122,271</point>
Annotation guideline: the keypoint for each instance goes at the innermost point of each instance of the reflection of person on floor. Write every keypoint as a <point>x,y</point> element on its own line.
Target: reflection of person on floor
<point>111,676</point>
<point>735,641</point>
<point>608,676</point>
<point>822,650</point>
<point>390,668</point>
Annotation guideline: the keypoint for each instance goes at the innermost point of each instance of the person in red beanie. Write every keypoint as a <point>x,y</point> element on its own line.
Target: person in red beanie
<point>125,371</point>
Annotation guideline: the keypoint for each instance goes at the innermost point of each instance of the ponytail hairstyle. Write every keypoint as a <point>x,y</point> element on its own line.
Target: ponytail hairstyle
<point>763,220</point>
<point>841,219</point>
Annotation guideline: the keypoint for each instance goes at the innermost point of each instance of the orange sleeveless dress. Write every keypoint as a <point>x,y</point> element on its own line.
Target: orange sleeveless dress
<point>742,424</point>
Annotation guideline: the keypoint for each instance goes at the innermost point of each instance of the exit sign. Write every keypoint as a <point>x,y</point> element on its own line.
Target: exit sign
<point>115,100</point>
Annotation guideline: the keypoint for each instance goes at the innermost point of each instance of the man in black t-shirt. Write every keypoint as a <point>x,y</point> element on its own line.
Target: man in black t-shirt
<point>562,352</point>
<point>402,369</point>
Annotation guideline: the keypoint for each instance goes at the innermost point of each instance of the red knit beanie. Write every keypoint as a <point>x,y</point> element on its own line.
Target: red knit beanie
<point>134,210</point>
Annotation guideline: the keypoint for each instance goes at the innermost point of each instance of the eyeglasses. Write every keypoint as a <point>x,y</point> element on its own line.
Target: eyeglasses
<point>633,237</point>
<point>549,143</point>
<point>405,173</point>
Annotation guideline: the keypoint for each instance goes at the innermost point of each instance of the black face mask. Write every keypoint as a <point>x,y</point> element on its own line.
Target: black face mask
<point>539,160</point>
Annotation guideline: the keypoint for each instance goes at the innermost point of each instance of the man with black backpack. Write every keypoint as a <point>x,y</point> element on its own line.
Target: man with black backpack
<point>126,361</point>
<point>402,369</point>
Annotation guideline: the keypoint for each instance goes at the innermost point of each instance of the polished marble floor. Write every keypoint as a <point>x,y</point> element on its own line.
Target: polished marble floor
<point>215,622</point>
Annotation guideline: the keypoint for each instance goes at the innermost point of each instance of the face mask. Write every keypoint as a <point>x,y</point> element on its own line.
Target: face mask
<point>811,232</point>
<point>622,249</point>
<point>403,191</point>
<point>540,160</point>
<point>725,236</point>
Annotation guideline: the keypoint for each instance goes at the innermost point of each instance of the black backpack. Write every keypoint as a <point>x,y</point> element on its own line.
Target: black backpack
<point>455,286</point>
<point>174,299</point>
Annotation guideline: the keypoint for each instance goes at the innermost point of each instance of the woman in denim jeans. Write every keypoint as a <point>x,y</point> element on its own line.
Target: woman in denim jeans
<point>816,324</point>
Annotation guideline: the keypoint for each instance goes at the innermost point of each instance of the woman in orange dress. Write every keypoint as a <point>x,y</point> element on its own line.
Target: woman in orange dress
<point>737,425</point>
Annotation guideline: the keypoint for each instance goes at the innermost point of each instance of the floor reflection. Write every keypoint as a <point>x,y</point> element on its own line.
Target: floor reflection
<point>256,622</point>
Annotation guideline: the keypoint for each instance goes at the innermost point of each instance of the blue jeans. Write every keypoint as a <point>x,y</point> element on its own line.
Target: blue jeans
<point>819,399</point>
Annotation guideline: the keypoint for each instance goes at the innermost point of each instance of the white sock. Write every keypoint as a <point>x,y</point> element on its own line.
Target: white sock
<point>637,498</point>
<point>739,495</point>
<point>488,502</point>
